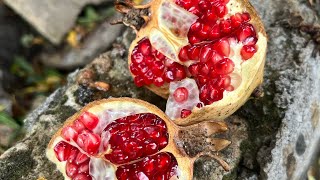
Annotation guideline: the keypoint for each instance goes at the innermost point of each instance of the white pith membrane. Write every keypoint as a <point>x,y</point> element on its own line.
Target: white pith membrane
<point>171,35</point>
<point>100,169</point>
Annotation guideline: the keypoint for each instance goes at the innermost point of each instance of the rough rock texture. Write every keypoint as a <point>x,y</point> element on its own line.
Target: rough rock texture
<point>96,43</point>
<point>282,129</point>
<point>52,18</point>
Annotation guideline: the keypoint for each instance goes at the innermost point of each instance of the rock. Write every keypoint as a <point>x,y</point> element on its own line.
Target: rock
<point>96,43</point>
<point>274,137</point>
<point>52,18</point>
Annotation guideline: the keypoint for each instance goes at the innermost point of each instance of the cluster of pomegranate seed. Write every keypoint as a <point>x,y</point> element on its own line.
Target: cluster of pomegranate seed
<point>214,40</point>
<point>136,136</point>
<point>77,166</point>
<point>151,67</point>
<point>157,167</point>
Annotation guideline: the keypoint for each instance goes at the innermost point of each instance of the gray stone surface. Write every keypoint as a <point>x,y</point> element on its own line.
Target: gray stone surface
<point>282,129</point>
<point>52,18</point>
<point>96,43</point>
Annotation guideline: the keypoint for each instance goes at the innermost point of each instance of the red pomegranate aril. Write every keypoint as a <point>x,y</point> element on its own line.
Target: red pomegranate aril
<point>138,81</point>
<point>136,57</point>
<point>158,68</point>
<point>145,47</point>
<point>194,69</point>
<point>69,133</point>
<point>181,94</point>
<point>204,32</point>
<point>149,165</point>
<point>204,69</point>
<point>134,69</point>
<point>229,88</point>
<point>78,126</point>
<point>248,51</point>
<point>71,169</point>
<point>148,78</point>
<point>220,10</point>
<point>210,16</point>
<point>149,60</point>
<point>224,81</point>
<point>183,54</point>
<point>169,76</point>
<point>73,154</point>
<point>89,120</point>
<point>236,20</point>
<point>180,73</point>
<point>164,160</point>
<point>150,147</point>
<point>204,5</point>
<point>62,151</point>
<point>84,168</point>
<point>163,142</point>
<point>195,27</point>
<point>215,32</point>
<point>202,79</point>
<point>224,66</point>
<point>185,113</point>
<point>250,41</point>
<point>193,39</point>
<point>222,47</point>
<point>225,26</point>
<point>89,142</point>
<point>159,55</point>
<point>205,53</point>
<point>82,177</point>
<point>245,31</point>
<point>159,81</point>
<point>152,131</point>
<point>81,158</point>
<point>193,52</point>
<point>194,10</point>
<point>246,17</point>
<point>214,59</point>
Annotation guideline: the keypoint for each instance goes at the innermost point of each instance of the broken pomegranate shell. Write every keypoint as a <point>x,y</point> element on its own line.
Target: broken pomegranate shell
<point>215,47</point>
<point>126,139</point>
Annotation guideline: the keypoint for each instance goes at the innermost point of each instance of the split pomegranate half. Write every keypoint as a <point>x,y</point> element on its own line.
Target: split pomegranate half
<point>205,56</point>
<point>124,139</point>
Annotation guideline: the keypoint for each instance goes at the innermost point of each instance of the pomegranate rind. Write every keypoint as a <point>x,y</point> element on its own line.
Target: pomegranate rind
<point>251,70</point>
<point>185,163</point>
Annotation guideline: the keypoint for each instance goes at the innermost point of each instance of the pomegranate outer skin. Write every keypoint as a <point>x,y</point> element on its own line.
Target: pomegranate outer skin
<point>185,163</point>
<point>252,70</point>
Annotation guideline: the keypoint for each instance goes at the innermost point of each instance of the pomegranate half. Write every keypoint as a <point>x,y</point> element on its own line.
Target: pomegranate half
<point>205,56</point>
<point>126,139</point>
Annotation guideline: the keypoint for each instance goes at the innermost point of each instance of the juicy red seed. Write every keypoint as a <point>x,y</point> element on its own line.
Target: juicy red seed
<point>62,151</point>
<point>181,94</point>
<point>159,81</point>
<point>145,47</point>
<point>229,88</point>
<point>245,31</point>
<point>179,72</point>
<point>204,5</point>
<point>248,51</point>
<point>224,66</point>
<point>183,54</point>
<point>136,136</point>
<point>82,177</point>
<point>194,69</point>
<point>81,158</point>
<point>204,70</point>
<point>134,69</point>
<point>71,169</point>
<point>78,125</point>
<point>205,53</point>
<point>149,77</point>
<point>215,32</point>
<point>199,105</point>
<point>136,57</point>
<point>185,113</point>
<point>224,81</point>
<point>73,154</point>
<point>169,76</point>
<point>236,20</point>
<point>150,167</point>
<point>204,32</point>
<point>222,47</point>
<point>69,133</point>
<point>250,41</point>
<point>159,56</point>
<point>138,81</point>
<point>83,169</point>
<point>89,120</point>
<point>221,10</point>
<point>193,39</point>
<point>89,142</point>
<point>193,53</point>
<point>246,17</point>
<point>225,26</point>
<point>214,59</point>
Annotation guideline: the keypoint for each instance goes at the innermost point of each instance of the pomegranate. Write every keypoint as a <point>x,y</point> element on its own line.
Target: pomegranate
<point>126,139</point>
<point>214,49</point>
